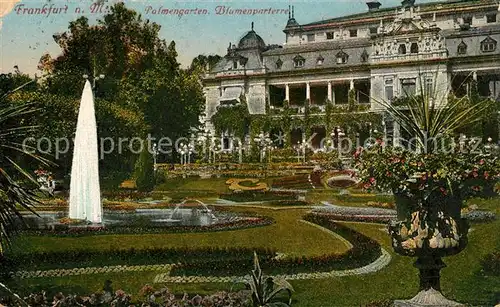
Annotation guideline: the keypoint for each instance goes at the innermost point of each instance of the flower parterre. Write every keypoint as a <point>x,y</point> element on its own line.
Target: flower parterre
<point>466,172</point>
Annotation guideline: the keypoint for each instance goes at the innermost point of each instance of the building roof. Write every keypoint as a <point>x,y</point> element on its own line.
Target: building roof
<point>388,12</point>
<point>319,46</point>
<point>251,40</point>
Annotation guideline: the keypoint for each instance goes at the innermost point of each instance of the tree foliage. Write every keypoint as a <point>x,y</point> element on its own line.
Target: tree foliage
<point>144,172</point>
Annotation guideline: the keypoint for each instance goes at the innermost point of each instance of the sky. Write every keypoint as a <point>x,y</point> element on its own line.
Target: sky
<point>25,37</point>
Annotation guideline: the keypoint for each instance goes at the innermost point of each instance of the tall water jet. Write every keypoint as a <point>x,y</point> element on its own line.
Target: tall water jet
<point>85,193</point>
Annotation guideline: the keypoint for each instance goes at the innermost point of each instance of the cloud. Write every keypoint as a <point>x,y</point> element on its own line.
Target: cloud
<point>6,6</point>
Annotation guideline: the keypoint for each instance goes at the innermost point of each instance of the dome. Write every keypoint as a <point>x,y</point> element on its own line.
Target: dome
<point>251,41</point>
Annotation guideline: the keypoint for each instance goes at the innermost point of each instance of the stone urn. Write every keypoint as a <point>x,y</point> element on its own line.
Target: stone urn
<point>428,231</point>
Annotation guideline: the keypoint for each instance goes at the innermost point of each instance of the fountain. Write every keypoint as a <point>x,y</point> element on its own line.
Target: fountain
<point>85,194</point>
<point>177,207</point>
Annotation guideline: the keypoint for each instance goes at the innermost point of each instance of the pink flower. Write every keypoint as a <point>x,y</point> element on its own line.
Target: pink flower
<point>486,175</point>
<point>372,180</point>
<point>476,188</point>
<point>481,162</point>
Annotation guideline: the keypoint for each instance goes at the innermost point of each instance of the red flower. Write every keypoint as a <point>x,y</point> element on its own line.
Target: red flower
<point>388,174</point>
<point>476,188</point>
<point>481,162</point>
<point>372,180</point>
<point>443,191</point>
<point>486,175</point>
<point>475,174</point>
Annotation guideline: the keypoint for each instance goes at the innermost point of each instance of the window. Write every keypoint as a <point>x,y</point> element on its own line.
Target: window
<point>342,57</point>
<point>429,87</point>
<point>226,144</point>
<point>298,61</point>
<point>311,37</point>
<point>488,45</point>
<point>467,20</point>
<point>491,18</point>
<point>329,35</point>
<point>235,64</point>
<point>364,56</point>
<point>389,89</point>
<point>353,33</point>
<point>402,49</point>
<point>279,63</point>
<point>414,48</point>
<point>462,48</point>
<point>373,30</point>
<point>408,87</point>
<point>320,60</point>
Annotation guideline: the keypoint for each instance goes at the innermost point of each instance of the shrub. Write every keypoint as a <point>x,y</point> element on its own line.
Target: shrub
<point>144,171</point>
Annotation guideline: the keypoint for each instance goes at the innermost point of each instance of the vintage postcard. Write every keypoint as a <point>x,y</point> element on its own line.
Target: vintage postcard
<point>249,153</point>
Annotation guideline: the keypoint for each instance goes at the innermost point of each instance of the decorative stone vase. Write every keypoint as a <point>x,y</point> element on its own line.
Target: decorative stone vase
<point>428,233</point>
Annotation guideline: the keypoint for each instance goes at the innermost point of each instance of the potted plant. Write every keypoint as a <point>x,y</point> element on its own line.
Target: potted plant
<point>431,176</point>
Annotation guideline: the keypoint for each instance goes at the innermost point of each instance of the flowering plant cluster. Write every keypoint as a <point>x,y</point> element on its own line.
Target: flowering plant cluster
<point>466,171</point>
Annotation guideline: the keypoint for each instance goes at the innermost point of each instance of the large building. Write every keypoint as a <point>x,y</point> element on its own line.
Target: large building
<point>379,54</point>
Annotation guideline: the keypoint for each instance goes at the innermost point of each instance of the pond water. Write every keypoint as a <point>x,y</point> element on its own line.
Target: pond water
<point>178,216</point>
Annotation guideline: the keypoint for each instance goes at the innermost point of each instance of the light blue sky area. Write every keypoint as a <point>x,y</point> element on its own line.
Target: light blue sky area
<point>25,38</point>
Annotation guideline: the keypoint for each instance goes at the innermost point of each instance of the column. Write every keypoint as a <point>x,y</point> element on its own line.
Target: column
<point>287,93</point>
<point>333,92</point>
<point>329,95</point>
<point>351,84</point>
<point>308,91</point>
<point>474,75</point>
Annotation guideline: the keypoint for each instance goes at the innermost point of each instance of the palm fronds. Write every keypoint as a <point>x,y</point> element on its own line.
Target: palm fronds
<point>15,193</point>
<point>433,114</point>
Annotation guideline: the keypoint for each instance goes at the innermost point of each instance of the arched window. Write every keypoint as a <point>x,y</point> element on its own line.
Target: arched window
<point>364,56</point>
<point>298,61</point>
<point>402,49</point>
<point>279,63</point>
<point>462,48</point>
<point>414,48</point>
<point>342,57</point>
<point>320,60</point>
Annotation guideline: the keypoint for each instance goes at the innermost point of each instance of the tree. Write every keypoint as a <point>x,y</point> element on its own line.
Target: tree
<point>144,173</point>
<point>141,71</point>
<point>203,62</point>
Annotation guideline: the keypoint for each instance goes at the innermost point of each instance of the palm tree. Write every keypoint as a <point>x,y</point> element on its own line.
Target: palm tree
<point>15,193</point>
<point>432,114</point>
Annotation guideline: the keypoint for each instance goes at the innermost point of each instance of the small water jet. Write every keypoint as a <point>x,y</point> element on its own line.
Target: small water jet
<point>205,210</point>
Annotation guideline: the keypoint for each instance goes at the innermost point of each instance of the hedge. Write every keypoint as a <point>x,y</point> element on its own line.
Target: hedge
<point>132,256</point>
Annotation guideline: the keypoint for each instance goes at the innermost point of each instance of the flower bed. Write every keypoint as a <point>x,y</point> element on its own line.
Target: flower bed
<point>293,182</point>
<point>378,204</point>
<point>149,297</point>
<point>89,258</point>
<point>251,196</point>
<point>246,184</point>
<point>364,251</point>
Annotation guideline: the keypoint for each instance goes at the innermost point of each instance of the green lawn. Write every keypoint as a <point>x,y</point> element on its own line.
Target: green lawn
<point>287,235</point>
<point>462,280</point>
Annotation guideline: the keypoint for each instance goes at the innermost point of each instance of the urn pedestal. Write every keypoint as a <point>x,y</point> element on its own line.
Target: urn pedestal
<point>429,234</point>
